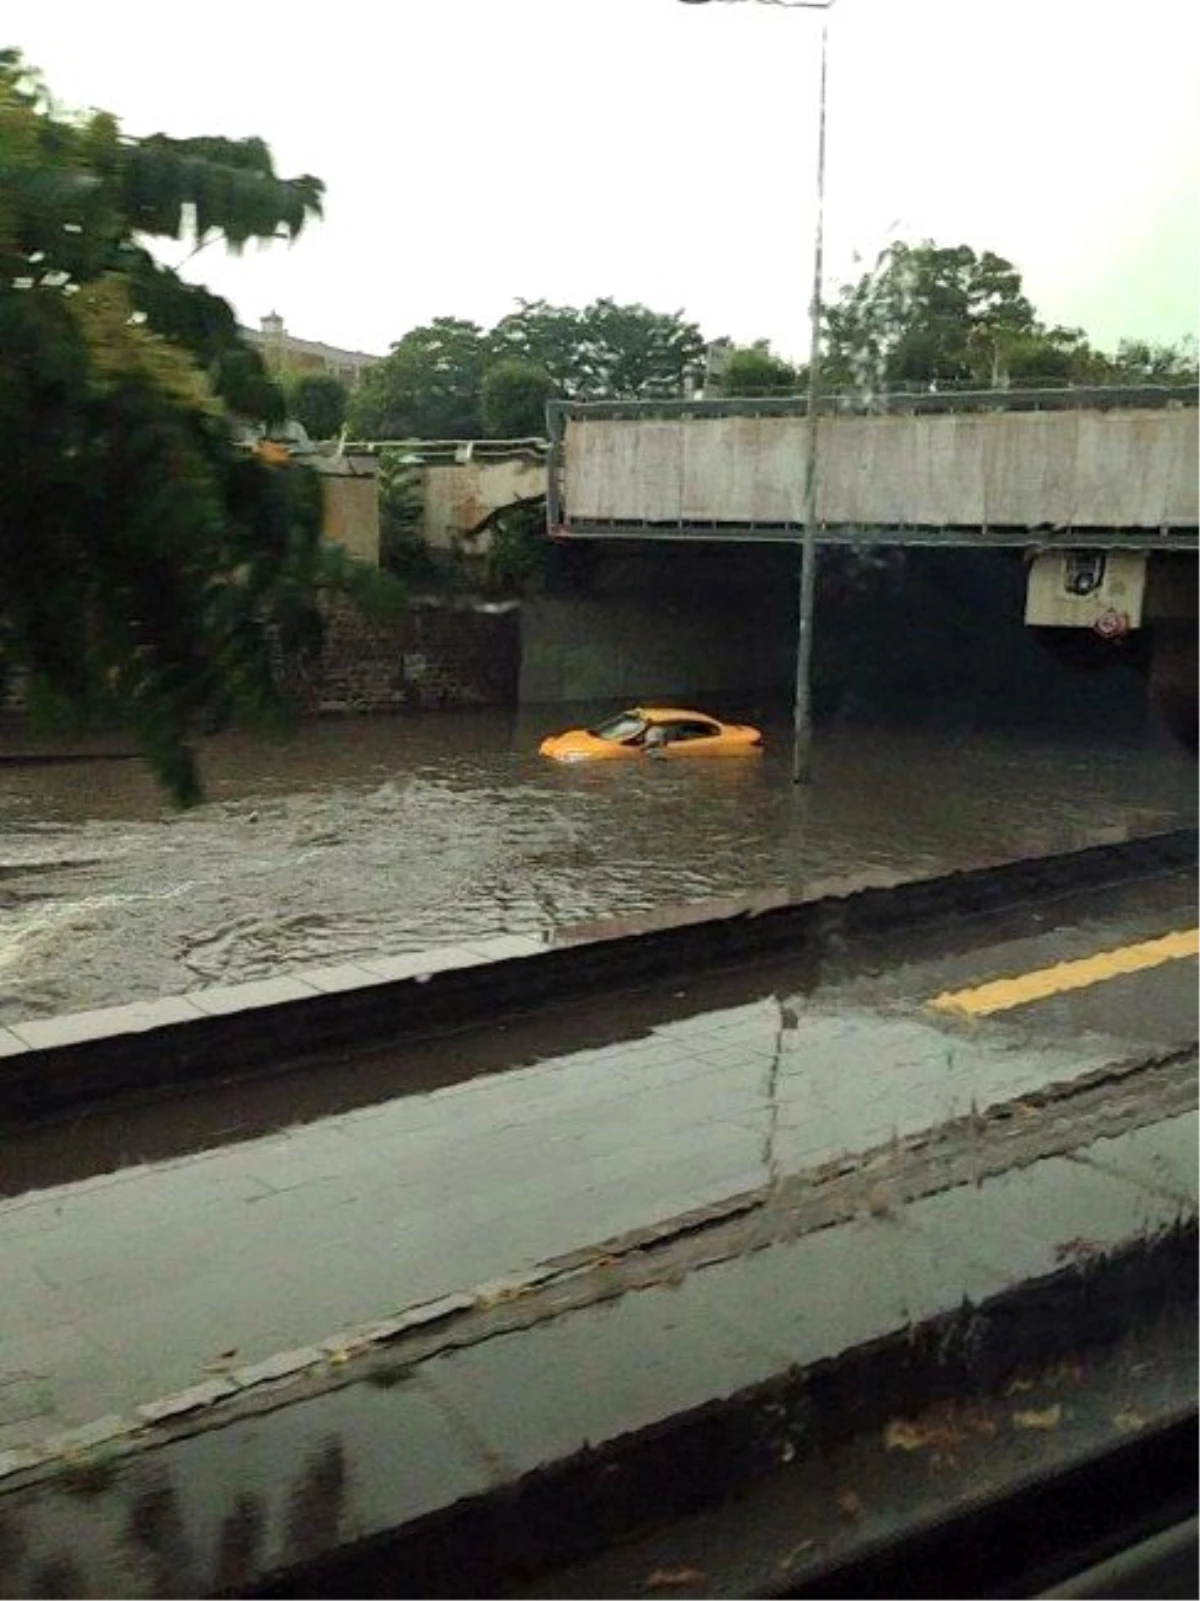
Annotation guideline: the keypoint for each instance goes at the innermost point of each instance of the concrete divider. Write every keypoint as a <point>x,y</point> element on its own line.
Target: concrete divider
<point>60,1065</point>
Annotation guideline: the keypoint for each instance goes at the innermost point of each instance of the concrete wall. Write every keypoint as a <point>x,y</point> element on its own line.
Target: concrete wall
<point>1171,590</point>
<point>352,514</point>
<point>632,650</point>
<point>1087,469</point>
<point>458,497</point>
<point>661,623</point>
<point>911,636</point>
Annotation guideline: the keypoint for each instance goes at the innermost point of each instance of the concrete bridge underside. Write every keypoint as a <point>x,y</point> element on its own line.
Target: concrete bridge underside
<point>1039,472</point>
<point>698,479</point>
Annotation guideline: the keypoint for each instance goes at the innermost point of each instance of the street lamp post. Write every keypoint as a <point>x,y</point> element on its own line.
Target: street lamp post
<point>802,732</point>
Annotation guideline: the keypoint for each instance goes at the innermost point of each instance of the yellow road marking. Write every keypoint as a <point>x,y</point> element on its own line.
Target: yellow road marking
<point>1002,993</point>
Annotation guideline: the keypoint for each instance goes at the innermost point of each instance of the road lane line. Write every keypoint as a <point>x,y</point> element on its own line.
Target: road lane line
<point>997,996</point>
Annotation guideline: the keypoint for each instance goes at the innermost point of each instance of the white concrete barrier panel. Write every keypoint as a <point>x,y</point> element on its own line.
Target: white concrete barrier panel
<point>1120,468</point>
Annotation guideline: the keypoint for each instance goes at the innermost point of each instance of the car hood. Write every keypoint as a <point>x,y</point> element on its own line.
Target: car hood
<point>575,742</point>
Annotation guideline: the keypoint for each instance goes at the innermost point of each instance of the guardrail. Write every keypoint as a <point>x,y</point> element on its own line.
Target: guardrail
<point>456,452</point>
<point>855,402</point>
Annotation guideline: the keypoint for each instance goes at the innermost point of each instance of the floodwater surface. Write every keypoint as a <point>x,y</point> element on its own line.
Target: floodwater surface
<point>382,836</point>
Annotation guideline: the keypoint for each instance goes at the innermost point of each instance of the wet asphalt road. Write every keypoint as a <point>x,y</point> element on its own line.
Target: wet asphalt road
<point>526,1143</point>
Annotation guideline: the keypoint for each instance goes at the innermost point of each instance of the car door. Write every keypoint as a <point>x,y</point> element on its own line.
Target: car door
<point>694,736</point>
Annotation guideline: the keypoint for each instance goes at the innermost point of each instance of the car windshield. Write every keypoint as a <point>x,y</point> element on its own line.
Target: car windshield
<point>627,726</point>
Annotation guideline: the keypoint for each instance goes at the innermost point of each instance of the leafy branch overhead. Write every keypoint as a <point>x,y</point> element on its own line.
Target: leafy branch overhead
<point>151,569</point>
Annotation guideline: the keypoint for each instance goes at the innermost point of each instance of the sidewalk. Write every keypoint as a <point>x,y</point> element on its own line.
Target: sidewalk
<point>126,1288</point>
<point>444,1416</point>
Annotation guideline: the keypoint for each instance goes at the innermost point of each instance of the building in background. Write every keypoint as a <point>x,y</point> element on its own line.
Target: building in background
<point>288,356</point>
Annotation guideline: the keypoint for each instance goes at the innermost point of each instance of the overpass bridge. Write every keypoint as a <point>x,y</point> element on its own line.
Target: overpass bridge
<point>1075,468</point>
<point>1098,487</point>
<point>1070,468</point>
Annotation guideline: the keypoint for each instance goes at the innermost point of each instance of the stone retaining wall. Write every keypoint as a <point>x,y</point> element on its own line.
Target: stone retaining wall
<point>433,655</point>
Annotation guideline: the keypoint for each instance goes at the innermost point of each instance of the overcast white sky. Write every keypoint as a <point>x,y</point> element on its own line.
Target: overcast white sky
<point>477,151</point>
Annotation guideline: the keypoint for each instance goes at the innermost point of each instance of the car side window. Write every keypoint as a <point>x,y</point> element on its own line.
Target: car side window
<point>623,730</point>
<point>693,729</point>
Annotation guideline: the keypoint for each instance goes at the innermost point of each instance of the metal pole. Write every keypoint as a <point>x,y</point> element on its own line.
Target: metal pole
<point>802,731</point>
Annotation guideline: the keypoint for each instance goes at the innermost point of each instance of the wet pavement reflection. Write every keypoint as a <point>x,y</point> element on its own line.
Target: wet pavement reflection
<point>266,1243</point>
<point>388,836</point>
<point>281,1486</point>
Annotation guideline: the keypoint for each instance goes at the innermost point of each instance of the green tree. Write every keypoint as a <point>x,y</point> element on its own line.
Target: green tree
<point>638,354</point>
<point>431,385</point>
<point>519,559</point>
<point>150,568</point>
<point>403,550</point>
<point>606,351</point>
<point>1139,361</point>
<point>549,338</point>
<point>513,403</point>
<point>927,314</point>
<point>428,387</point>
<point>756,370</point>
<point>1049,356</point>
<point>317,400</point>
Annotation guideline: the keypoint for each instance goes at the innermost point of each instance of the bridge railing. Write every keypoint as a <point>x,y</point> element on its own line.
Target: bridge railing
<point>856,402</point>
<point>455,452</point>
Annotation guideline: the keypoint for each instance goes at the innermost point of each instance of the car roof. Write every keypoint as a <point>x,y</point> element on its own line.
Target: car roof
<point>670,714</point>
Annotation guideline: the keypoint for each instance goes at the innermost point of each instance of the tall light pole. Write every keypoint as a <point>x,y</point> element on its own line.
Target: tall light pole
<point>802,732</point>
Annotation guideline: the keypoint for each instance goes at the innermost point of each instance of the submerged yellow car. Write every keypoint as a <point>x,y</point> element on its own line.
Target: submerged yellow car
<point>661,731</point>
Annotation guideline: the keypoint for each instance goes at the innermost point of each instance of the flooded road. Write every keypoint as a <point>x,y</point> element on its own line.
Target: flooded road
<point>388,836</point>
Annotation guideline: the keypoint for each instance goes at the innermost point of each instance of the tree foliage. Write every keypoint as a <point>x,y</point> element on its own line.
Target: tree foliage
<point>513,401</point>
<point>432,384</point>
<point>756,370</point>
<point>317,400</point>
<point>428,387</point>
<point>150,569</point>
<point>402,548</point>
<point>606,351</point>
<point>929,315</point>
<point>519,559</point>
<point>1139,361</point>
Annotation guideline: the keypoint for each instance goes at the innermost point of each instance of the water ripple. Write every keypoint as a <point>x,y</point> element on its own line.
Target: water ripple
<point>388,836</point>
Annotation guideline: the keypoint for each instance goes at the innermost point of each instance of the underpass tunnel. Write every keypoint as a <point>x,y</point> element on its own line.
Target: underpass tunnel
<point>902,636</point>
<point>1171,606</point>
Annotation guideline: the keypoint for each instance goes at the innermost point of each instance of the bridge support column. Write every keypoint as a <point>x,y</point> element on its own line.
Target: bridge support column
<point>1173,666</point>
<point>1171,612</point>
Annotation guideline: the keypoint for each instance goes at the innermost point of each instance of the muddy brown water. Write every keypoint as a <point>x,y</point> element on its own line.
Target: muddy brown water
<point>391,835</point>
